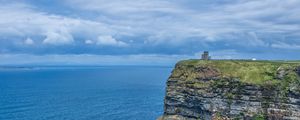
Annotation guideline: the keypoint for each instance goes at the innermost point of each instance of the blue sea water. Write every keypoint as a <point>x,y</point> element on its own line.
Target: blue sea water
<point>82,93</point>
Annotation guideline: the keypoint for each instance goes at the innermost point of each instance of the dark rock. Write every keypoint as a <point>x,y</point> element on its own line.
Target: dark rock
<point>206,73</point>
<point>298,70</point>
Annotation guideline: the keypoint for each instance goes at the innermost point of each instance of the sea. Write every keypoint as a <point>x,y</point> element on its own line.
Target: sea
<point>82,92</point>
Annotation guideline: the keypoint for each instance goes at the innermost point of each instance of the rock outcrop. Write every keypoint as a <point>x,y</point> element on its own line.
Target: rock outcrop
<point>225,90</point>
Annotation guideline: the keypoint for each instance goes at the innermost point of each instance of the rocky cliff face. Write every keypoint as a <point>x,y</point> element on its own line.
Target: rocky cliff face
<point>221,90</point>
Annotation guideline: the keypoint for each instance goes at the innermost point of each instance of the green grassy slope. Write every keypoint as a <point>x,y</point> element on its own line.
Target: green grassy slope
<point>252,72</point>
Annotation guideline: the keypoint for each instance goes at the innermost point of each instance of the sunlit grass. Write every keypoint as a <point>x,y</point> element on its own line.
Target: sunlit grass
<point>247,71</point>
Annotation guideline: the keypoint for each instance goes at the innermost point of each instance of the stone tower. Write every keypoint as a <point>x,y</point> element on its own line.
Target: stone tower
<point>205,55</point>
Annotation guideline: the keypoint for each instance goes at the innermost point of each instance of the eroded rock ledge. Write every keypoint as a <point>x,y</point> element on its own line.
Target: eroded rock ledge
<point>221,90</point>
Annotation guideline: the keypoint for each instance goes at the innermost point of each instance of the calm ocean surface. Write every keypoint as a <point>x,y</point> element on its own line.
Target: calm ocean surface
<point>83,93</point>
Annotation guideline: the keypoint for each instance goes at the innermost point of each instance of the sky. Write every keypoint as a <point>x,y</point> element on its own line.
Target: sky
<point>146,32</point>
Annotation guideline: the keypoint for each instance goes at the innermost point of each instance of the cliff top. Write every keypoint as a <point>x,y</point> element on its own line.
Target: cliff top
<point>247,71</point>
<point>233,89</point>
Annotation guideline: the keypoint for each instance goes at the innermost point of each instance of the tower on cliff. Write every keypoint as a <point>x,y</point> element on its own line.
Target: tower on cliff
<point>205,56</point>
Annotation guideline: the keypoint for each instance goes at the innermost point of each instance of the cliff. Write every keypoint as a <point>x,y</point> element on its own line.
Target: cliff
<point>239,90</point>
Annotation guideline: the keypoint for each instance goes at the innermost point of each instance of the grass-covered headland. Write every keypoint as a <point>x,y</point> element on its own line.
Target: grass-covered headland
<point>282,76</point>
<point>235,89</point>
<point>252,72</point>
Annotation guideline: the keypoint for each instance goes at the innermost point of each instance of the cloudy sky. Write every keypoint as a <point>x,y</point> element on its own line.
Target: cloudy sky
<point>159,32</point>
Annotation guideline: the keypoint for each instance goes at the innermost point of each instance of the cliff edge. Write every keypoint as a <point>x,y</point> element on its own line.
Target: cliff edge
<point>233,89</point>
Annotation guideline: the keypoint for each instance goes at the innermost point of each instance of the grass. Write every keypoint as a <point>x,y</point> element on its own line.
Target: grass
<point>259,117</point>
<point>247,71</point>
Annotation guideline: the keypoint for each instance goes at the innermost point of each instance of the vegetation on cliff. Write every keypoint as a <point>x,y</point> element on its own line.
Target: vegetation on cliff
<point>234,89</point>
<point>252,72</point>
<point>274,75</point>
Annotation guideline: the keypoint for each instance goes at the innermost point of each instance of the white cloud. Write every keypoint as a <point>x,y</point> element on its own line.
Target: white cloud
<point>107,40</point>
<point>58,37</point>
<point>23,20</point>
<point>165,20</point>
<point>88,42</point>
<point>281,45</point>
<point>29,41</point>
<point>254,40</point>
<point>157,21</point>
